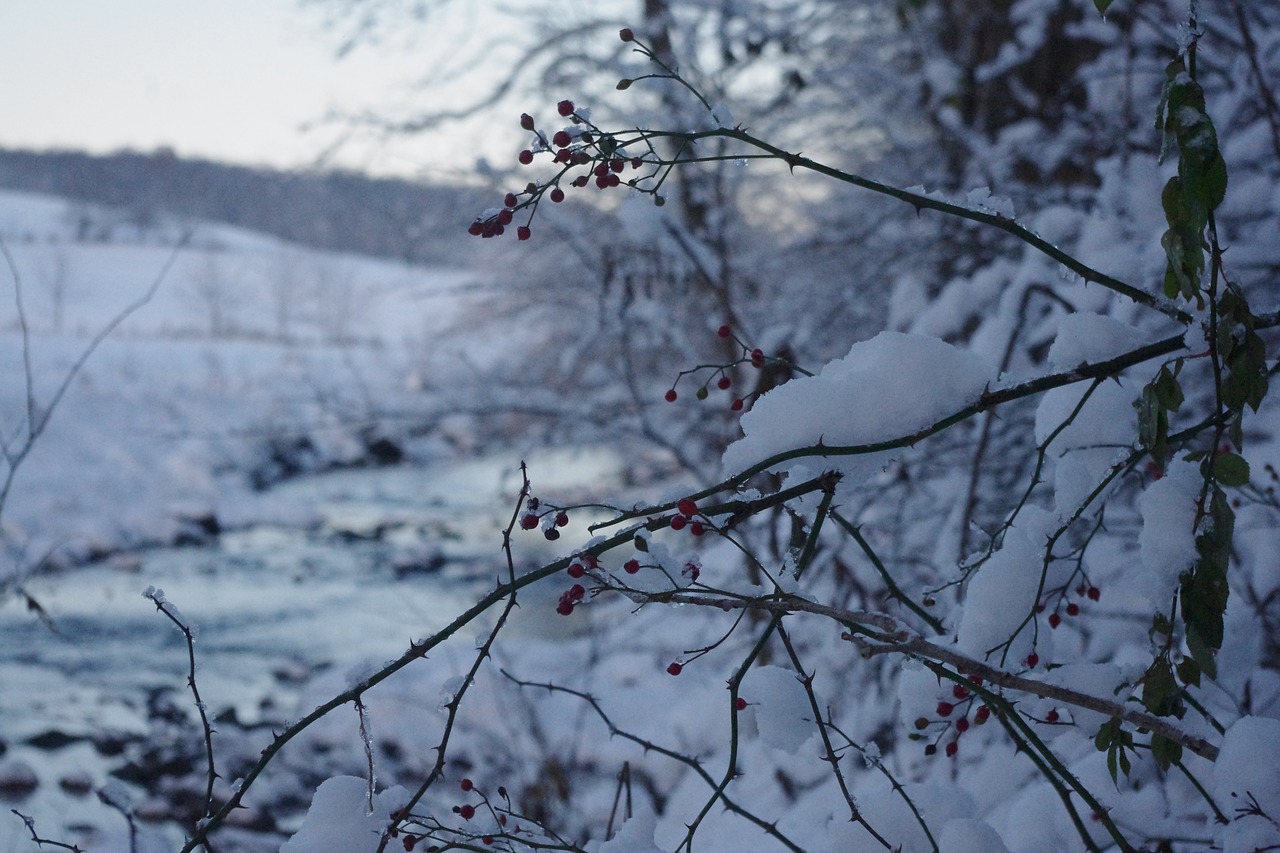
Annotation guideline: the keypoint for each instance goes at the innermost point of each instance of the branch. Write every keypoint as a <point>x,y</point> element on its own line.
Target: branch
<point>895,638</point>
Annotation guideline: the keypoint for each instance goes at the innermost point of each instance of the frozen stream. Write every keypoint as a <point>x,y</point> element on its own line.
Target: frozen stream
<point>385,555</point>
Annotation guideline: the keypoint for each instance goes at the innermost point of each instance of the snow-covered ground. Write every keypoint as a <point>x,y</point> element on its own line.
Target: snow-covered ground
<point>253,357</point>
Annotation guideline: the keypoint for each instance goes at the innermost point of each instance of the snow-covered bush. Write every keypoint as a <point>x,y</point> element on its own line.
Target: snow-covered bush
<point>1001,577</point>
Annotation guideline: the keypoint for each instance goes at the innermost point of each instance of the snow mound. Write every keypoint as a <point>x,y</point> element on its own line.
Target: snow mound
<point>1247,784</point>
<point>888,387</point>
<point>1168,538</point>
<point>339,820</point>
<point>1090,338</point>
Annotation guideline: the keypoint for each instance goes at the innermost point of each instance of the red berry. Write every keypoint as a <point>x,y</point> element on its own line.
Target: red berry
<point>577,592</point>
<point>691,571</point>
<point>1033,659</point>
<point>409,842</point>
<point>723,383</point>
<point>678,522</point>
<point>741,704</point>
<point>1073,609</point>
<point>724,331</point>
<point>551,534</point>
<point>561,139</point>
<point>565,108</point>
<point>1051,717</point>
<point>1054,620</point>
<point>1094,593</point>
<point>945,709</point>
<point>636,162</point>
<point>523,233</point>
<point>975,680</point>
<point>562,519</point>
<point>960,691</point>
<point>674,669</point>
<point>670,396</point>
<point>526,157</point>
<point>487,840</point>
<point>952,748</point>
<point>557,195</point>
<point>505,216</point>
<point>565,607</point>
<point>626,34</point>
<point>510,200</point>
<point>757,357</point>
<point>687,507</point>
<point>576,570</point>
<point>631,566</point>
<point>962,725</point>
<point>528,521</point>
<point>526,121</point>
<point>468,811</point>
<point>736,405</point>
<point>466,785</point>
<point>697,528</point>
<point>981,715</point>
<point>1080,589</point>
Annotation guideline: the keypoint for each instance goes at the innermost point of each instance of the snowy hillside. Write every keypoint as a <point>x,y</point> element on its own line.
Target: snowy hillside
<point>255,357</point>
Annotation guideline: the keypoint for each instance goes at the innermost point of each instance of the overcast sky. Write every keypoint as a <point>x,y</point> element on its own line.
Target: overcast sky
<point>222,79</point>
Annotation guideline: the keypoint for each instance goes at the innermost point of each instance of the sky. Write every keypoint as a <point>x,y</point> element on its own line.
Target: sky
<point>236,80</point>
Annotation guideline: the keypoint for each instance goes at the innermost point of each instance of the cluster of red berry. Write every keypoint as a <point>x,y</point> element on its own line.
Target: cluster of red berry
<point>719,373</point>
<point>578,144</point>
<point>550,519</point>
<point>1072,608</point>
<point>688,515</point>
<point>466,811</point>
<point>962,700</point>
<point>578,568</point>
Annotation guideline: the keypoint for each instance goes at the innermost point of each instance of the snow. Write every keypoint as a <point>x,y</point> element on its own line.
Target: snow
<point>1246,783</point>
<point>783,715</point>
<point>1087,338</point>
<point>305,340</point>
<point>1167,543</point>
<point>339,820</point>
<point>1001,595</point>
<point>635,836</point>
<point>852,401</point>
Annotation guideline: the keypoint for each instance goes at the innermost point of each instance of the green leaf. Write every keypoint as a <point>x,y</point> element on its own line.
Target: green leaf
<point>1204,589</point>
<point>1201,654</point>
<point>1231,470</point>
<point>1189,672</point>
<point>1113,740</point>
<point>1165,751</point>
<point>1168,391</point>
<point>1160,692</point>
<point>1102,6</point>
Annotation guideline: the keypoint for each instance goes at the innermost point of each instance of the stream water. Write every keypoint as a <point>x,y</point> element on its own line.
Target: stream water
<point>387,555</point>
